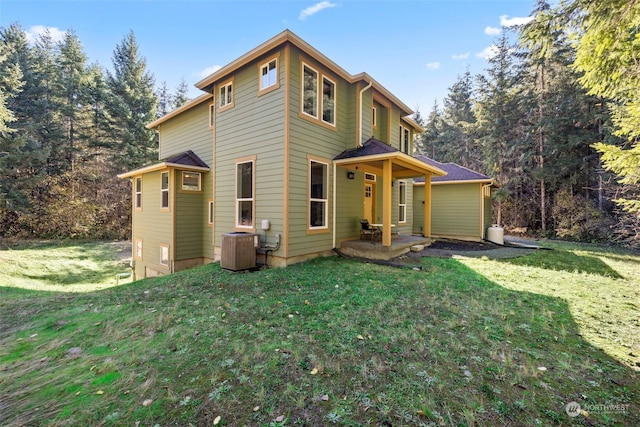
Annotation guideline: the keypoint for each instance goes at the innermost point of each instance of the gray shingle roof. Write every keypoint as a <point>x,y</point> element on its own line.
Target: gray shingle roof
<point>454,172</point>
<point>187,158</point>
<point>371,147</point>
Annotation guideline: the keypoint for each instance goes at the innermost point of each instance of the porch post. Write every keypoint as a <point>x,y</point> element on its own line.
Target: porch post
<point>386,202</point>
<point>427,206</point>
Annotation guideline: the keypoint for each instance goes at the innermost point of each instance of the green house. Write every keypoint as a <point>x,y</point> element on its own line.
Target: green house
<point>283,144</point>
<point>460,202</point>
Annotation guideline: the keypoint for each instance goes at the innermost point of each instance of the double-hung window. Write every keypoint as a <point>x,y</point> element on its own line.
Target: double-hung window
<point>318,96</point>
<point>164,190</point>
<point>402,201</point>
<point>138,188</point>
<point>318,194</point>
<point>225,97</point>
<point>245,194</point>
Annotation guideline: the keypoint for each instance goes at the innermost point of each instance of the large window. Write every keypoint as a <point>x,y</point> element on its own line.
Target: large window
<point>164,190</point>
<point>138,188</point>
<point>318,194</point>
<point>225,97</point>
<point>244,194</point>
<point>402,201</point>
<point>269,74</point>
<point>318,96</point>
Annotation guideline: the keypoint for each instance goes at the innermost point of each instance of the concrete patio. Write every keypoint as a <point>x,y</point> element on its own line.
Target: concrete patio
<point>400,245</point>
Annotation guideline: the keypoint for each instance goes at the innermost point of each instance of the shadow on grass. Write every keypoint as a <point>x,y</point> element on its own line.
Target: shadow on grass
<point>562,260</point>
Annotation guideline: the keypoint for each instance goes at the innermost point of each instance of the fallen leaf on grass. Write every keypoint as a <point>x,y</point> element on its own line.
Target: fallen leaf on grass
<point>256,408</point>
<point>280,419</point>
<point>216,421</point>
<point>147,402</point>
<point>324,397</point>
<point>99,392</point>
<point>360,337</point>
<point>314,371</point>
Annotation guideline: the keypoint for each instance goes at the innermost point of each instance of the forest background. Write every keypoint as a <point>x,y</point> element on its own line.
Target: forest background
<point>555,118</point>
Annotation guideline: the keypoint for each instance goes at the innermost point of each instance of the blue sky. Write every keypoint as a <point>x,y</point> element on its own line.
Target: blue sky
<point>416,49</point>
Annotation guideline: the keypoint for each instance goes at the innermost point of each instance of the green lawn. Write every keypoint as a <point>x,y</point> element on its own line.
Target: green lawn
<point>463,342</point>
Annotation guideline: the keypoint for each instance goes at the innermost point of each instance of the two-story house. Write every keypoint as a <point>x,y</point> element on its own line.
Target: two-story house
<point>284,143</point>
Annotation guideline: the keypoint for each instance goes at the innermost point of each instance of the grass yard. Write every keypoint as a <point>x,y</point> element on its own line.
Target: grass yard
<point>463,342</point>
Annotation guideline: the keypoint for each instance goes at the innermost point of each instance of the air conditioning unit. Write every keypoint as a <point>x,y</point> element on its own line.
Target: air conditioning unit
<point>239,251</point>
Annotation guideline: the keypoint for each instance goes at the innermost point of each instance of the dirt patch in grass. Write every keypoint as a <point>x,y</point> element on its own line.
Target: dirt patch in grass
<point>447,248</point>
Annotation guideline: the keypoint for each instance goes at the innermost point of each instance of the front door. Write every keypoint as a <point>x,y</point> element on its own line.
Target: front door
<point>369,202</point>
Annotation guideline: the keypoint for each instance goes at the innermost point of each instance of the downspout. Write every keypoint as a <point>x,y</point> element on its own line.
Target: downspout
<point>359,143</point>
<point>333,209</point>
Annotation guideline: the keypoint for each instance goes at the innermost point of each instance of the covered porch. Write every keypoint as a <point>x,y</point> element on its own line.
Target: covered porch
<point>388,163</point>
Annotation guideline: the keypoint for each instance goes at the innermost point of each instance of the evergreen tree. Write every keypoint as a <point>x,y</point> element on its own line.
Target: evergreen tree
<point>181,95</point>
<point>10,84</point>
<point>164,100</point>
<point>429,142</point>
<point>132,106</point>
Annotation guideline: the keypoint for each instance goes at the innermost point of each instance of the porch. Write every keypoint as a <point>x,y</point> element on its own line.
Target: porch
<point>400,245</point>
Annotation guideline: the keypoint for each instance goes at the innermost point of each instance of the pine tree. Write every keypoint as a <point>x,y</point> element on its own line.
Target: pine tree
<point>429,142</point>
<point>164,100</point>
<point>181,95</point>
<point>132,105</point>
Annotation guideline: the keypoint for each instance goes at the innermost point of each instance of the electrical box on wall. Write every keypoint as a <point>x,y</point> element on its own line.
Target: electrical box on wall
<point>266,224</point>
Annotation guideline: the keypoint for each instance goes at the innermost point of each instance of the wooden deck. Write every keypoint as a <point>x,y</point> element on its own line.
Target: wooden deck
<point>400,245</point>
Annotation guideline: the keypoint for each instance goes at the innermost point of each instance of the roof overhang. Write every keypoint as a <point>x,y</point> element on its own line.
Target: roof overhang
<point>161,166</point>
<point>491,182</point>
<point>402,165</point>
<point>200,99</point>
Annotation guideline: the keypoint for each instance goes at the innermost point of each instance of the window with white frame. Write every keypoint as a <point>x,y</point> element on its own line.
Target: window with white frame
<point>318,96</point>
<point>138,190</point>
<point>318,194</point>
<point>226,95</point>
<point>138,249</point>
<point>269,74</point>
<point>328,101</point>
<point>310,91</point>
<point>402,201</point>
<point>164,190</point>
<point>244,194</point>
<point>191,181</point>
<point>403,143</point>
<point>212,115</point>
<point>164,255</point>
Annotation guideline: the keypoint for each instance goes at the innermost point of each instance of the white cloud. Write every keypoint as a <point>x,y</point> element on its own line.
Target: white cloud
<point>492,31</point>
<point>208,71</point>
<point>505,21</point>
<point>56,34</point>
<point>488,52</point>
<point>433,65</point>
<point>312,10</point>
<point>461,56</point>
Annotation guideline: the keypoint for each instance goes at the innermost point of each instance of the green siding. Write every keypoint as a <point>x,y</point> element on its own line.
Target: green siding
<point>456,210</point>
<point>188,131</point>
<point>148,222</point>
<point>190,219</point>
<point>418,209</point>
<point>254,126</point>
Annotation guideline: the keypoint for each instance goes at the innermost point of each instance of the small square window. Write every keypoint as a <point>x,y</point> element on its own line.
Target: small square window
<point>269,74</point>
<point>226,95</point>
<point>191,181</point>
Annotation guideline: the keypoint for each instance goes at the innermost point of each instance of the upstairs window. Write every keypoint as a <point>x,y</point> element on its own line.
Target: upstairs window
<point>164,190</point>
<point>374,118</point>
<point>318,97</point>
<point>268,74</point>
<point>310,91</point>
<point>225,97</point>
<point>328,101</point>
<point>138,189</point>
<point>403,143</point>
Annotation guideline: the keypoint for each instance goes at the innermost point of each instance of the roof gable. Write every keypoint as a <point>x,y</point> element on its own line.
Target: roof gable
<point>371,147</point>
<point>187,158</point>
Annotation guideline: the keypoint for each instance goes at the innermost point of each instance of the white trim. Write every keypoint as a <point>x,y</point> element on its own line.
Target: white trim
<point>251,199</point>
<point>165,190</point>
<point>325,186</point>
<point>402,184</point>
<point>266,65</point>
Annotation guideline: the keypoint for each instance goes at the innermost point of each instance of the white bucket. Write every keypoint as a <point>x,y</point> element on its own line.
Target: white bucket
<point>495,234</point>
